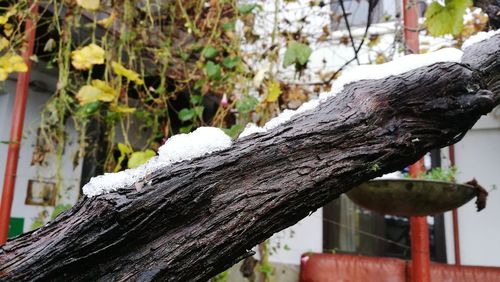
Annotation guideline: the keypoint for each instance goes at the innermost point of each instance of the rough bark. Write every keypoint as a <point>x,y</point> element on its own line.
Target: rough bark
<point>492,9</point>
<point>196,218</point>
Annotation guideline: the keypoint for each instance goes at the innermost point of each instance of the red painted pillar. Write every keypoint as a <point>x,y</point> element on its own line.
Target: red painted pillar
<point>420,254</point>
<point>16,129</point>
<point>456,234</point>
<point>410,22</point>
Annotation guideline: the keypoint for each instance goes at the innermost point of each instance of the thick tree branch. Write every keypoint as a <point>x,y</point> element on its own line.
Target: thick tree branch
<point>196,218</point>
<point>492,9</point>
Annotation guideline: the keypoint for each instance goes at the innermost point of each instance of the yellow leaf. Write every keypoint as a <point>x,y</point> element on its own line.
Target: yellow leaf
<point>98,91</point>
<point>86,57</point>
<point>104,87</point>
<point>129,74</point>
<point>8,29</point>
<point>4,43</point>
<point>12,63</point>
<point>380,59</point>
<point>273,91</point>
<point>124,149</point>
<point>17,64</point>
<point>88,94</point>
<point>121,109</point>
<point>107,22</point>
<point>3,20</point>
<point>3,74</point>
<point>91,5</point>
<point>374,39</point>
<point>139,158</point>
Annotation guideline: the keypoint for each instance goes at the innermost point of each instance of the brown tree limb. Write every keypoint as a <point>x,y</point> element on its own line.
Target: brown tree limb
<point>492,9</point>
<point>198,217</point>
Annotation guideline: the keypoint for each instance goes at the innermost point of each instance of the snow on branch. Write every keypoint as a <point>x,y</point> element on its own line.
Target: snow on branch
<point>363,72</point>
<point>180,147</point>
<point>206,140</point>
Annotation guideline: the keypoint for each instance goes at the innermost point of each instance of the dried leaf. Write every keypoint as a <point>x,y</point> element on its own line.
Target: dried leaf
<point>273,91</point>
<point>129,74</point>
<point>91,5</point>
<point>86,57</point>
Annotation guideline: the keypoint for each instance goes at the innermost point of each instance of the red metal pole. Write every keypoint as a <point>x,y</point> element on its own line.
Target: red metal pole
<point>410,22</point>
<point>420,254</point>
<point>16,129</point>
<point>454,214</point>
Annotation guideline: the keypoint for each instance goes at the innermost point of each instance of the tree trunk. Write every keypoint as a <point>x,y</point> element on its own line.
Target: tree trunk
<point>196,218</point>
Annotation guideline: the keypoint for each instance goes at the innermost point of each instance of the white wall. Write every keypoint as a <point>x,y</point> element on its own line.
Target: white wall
<point>25,172</point>
<point>478,156</point>
<point>305,236</point>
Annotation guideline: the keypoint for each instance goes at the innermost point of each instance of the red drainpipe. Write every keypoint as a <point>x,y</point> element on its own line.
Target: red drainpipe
<point>420,255</point>
<point>16,129</point>
<point>454,214</point>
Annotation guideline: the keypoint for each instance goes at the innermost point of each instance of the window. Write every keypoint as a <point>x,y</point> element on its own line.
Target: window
<point>348,228</point>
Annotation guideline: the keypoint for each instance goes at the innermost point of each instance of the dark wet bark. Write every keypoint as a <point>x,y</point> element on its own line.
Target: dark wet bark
<point>196,218</point>
<point>492,9</point>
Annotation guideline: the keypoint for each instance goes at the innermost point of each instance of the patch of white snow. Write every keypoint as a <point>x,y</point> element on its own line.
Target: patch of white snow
<point>395,67</point>
<point>480,36</point>
<point>251,128</point>
<point>392,175</point>
<point>202,141</point>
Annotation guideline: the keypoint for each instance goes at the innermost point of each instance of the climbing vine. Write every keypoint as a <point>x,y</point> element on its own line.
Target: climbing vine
<point>130,74</point>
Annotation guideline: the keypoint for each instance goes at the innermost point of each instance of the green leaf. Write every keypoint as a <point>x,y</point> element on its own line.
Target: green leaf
<point>230,62</point>
<point>267,269</point>
<point>199,111</point>
<point>234,130</point>
<point>296,53</point>
<point>139,158</point>
<point>213,70</point>
<point>447,19</point>
<point>438,173</point>
<point>199,84</point>
<point>59,209</point>
<point>247,104</point>
<point>184,56</point>
<point>90,108</point>
<point>221,277</point>
<point>196,99</point>
<point>210,52</point>
<point>186,114</point>
<point>186,129</point>
<point>125,151</point>
<point>112,117</point>
<point>229,26</point>
<point>247,8</point>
